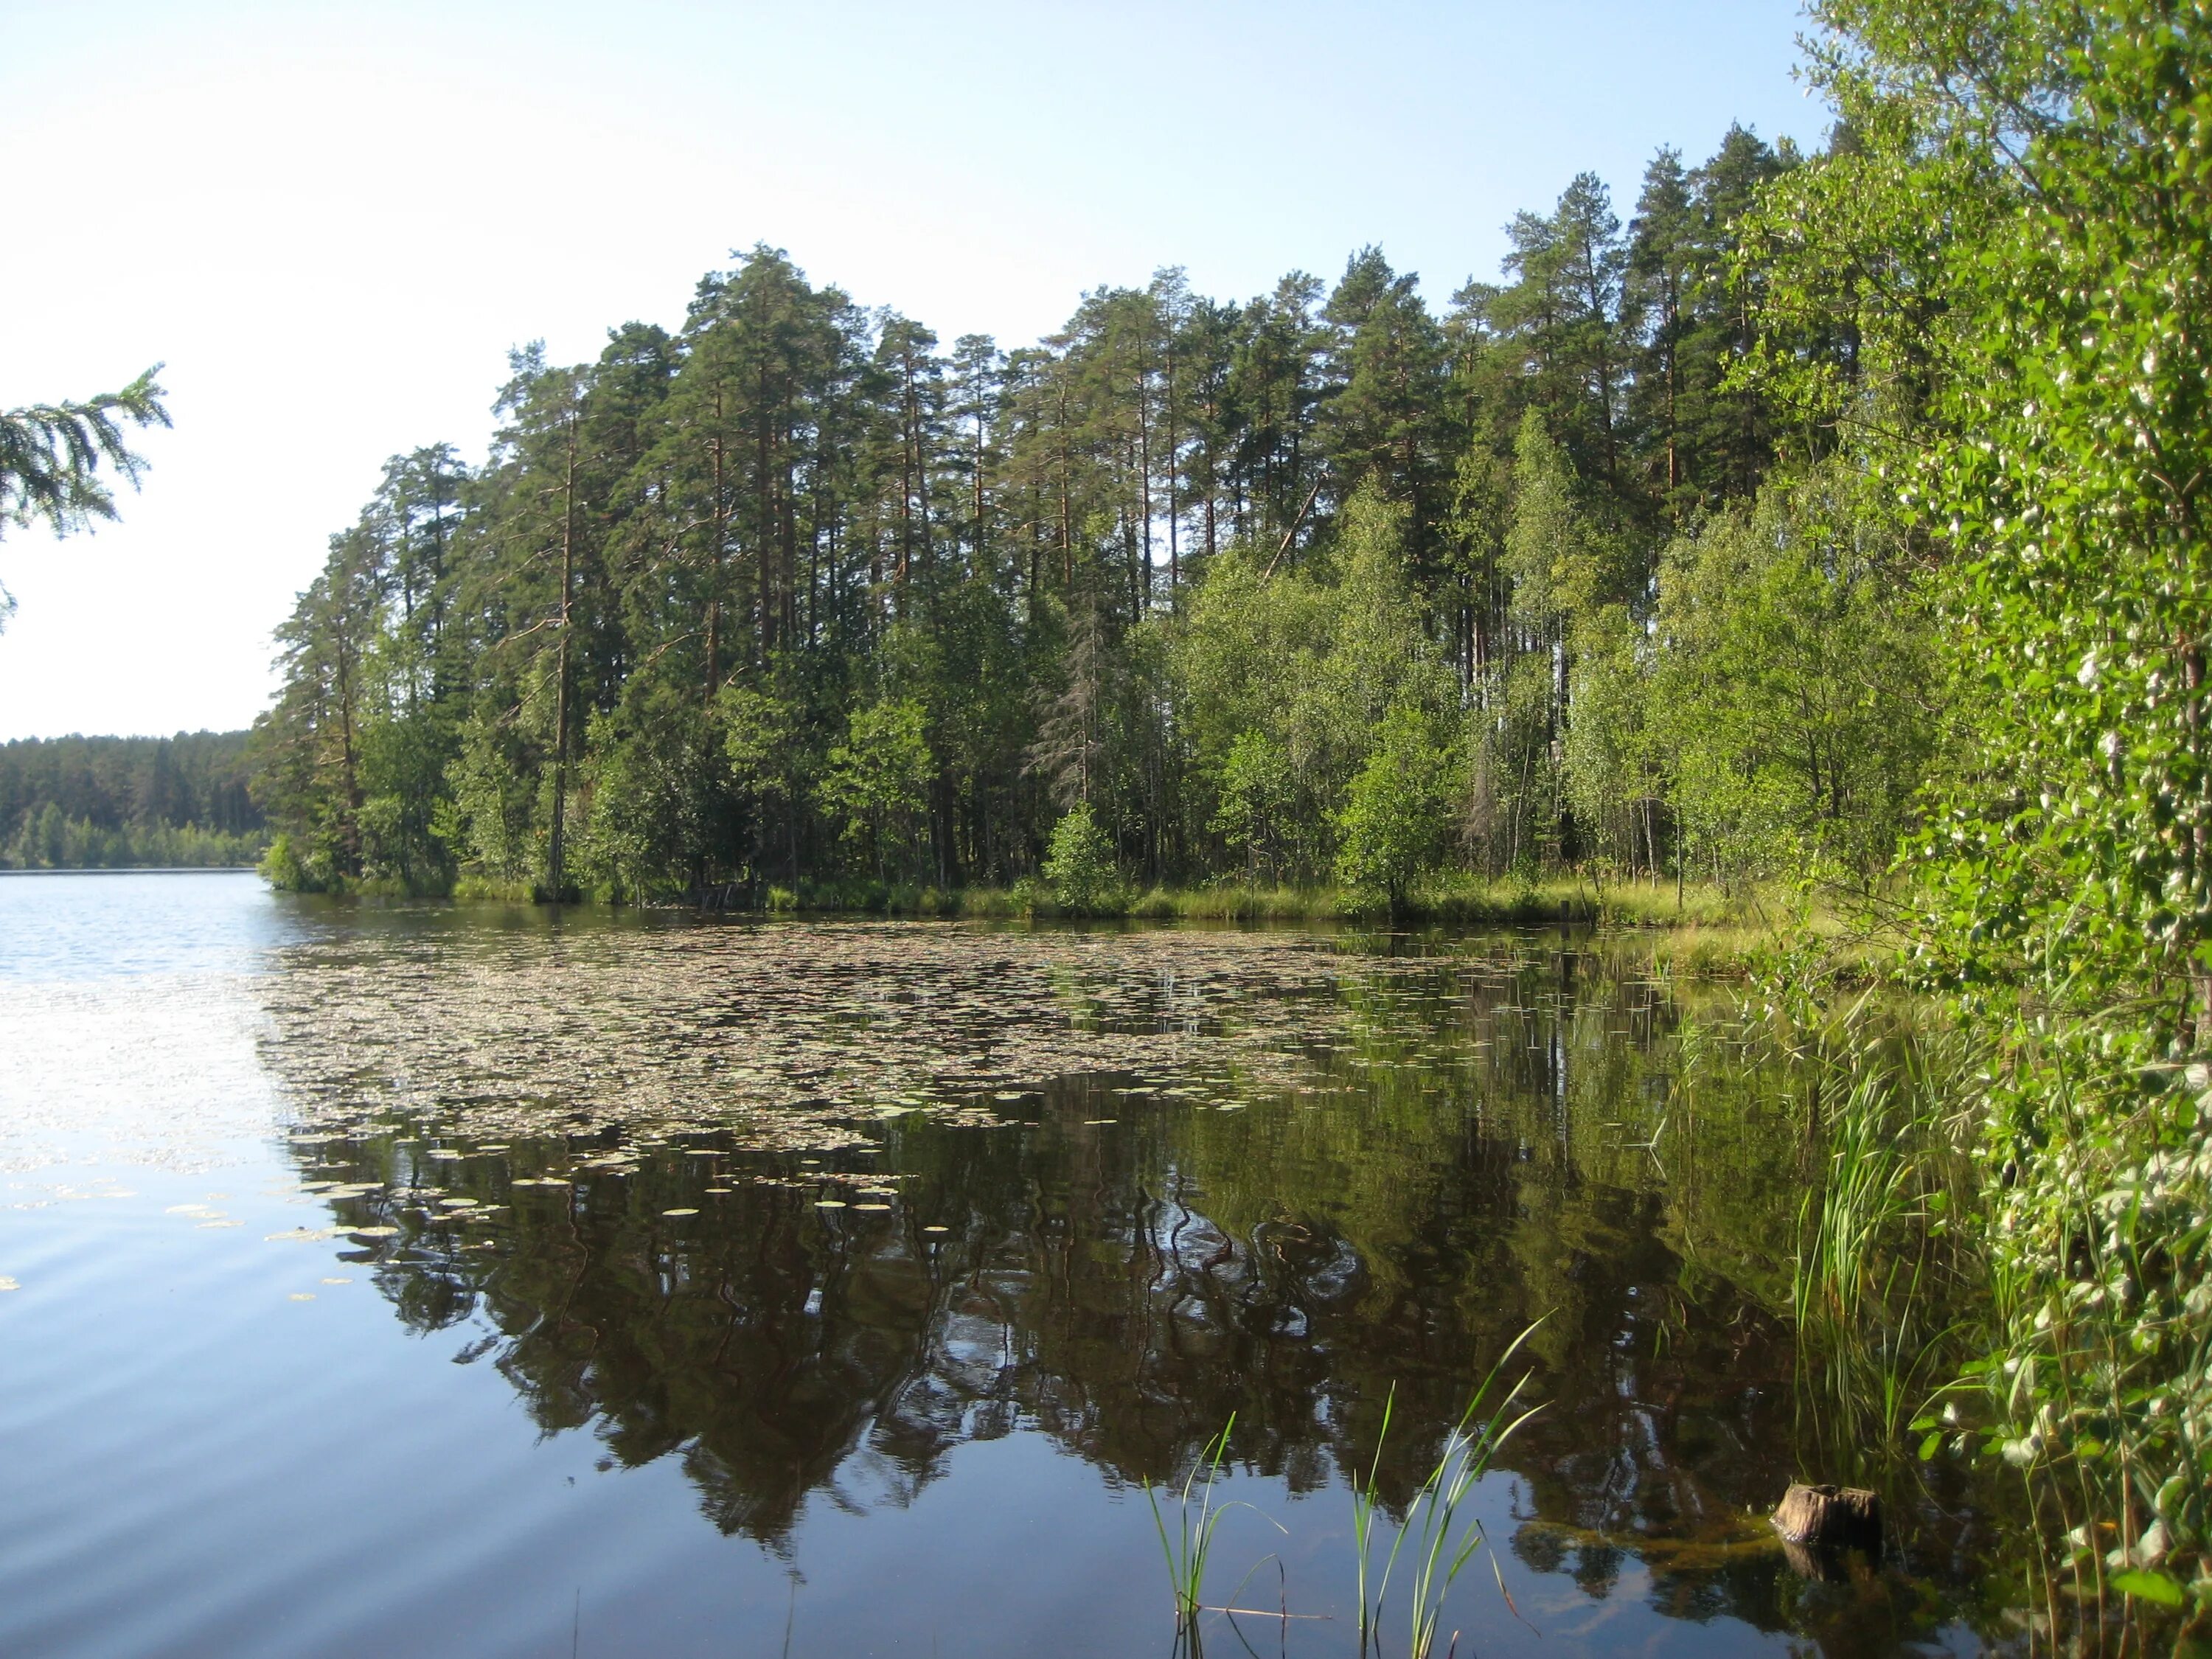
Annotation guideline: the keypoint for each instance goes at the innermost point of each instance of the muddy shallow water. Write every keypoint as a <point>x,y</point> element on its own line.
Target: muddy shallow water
<point>409,1279</point>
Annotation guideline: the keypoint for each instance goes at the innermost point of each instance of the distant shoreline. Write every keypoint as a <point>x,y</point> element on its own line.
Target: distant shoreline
<point>144,870</point>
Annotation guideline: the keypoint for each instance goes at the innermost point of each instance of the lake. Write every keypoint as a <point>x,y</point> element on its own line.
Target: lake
<point>413,1278</point>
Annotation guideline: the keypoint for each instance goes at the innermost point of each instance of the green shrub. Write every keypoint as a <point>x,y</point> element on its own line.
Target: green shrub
<point>1397,812</point>
<point>1080,866</point>
<point>283,869</point>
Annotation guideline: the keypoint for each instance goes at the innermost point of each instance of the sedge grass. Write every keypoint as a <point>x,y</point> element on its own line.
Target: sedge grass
<point>1877,1291</point>
<point>1442,1546</point>
<point>1187,1550</point>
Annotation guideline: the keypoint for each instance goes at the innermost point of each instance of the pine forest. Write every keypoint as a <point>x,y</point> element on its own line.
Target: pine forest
<point>1325,586</point>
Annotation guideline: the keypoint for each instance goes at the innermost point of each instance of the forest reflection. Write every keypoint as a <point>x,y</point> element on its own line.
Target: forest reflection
<point>1120,1268</point>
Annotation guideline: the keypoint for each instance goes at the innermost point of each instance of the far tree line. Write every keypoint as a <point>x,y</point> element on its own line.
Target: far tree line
<point>94,803</point>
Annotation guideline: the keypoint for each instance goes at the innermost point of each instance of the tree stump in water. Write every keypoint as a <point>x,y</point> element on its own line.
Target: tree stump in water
<point>1831,1518</point>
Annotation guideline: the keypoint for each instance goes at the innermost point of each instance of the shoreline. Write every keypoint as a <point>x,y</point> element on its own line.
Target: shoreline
<point>141,870</point>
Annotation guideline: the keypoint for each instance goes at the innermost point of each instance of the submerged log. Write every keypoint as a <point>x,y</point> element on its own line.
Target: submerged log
<point>1831,1518</point>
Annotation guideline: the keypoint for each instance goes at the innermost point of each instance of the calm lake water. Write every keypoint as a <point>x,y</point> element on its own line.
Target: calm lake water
<point>415,1279</point>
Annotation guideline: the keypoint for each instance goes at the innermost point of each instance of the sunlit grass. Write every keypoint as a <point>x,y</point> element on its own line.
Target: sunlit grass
<point>1699,930</point>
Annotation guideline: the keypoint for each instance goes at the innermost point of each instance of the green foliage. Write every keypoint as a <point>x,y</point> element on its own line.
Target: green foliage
<point>2016,235</point>
<point>1789,689</point>
<point>52,455</point>
<point>654,799</point>
<point>876,784</point>
<point>1179,561</point>
<point>1397,813</point>
<point>1377,656</point>
<point>1289,679</point>
<point>486,818</point>
<point>761,741</point>
<point>46,840</point>
<point>93,803</point>
<point>1258,800</point>
<point>1613,770</point>
<point>284,868</point>
<point>1080,866</point>
<point>1246,648</point>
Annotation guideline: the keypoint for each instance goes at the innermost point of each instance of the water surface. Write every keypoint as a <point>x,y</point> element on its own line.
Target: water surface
<point>455,1280</point>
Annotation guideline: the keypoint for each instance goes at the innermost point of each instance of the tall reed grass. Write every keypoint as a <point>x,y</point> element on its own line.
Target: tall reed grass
<point>1861,1289</point>
<point>1442,1546</point>
<point>1188,1550</point>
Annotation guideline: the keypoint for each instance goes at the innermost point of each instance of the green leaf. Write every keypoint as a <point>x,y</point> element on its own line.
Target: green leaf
<point>2149,1586</point>
<point>1929,1445</point>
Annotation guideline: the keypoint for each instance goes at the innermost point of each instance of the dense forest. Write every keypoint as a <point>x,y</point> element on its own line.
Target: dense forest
<point>1321,586</point>
<point>113,803</point>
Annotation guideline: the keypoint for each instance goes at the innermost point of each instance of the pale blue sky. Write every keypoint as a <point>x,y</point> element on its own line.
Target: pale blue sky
<point>332,219</point>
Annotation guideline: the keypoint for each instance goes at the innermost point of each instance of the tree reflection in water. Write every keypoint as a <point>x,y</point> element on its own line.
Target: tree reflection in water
<point>1122,1271</point>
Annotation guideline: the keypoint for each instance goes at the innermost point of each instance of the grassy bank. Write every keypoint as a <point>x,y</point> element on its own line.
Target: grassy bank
<point>1698,928</point>
<point>1461,901</point>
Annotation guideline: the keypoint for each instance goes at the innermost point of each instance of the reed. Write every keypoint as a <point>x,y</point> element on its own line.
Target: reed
<point>1886,1285</point>
<point>1867,1195</point>
<point>1442,1546</point>
<point>1187,1550</point>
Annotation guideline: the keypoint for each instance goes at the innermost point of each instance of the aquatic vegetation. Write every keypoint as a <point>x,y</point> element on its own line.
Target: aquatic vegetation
<point>1442,1546</point>
<point>804,1036</point>
<point>2003,1258</point>
<point>1858,1291</point>
<point>1188,1549</point>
